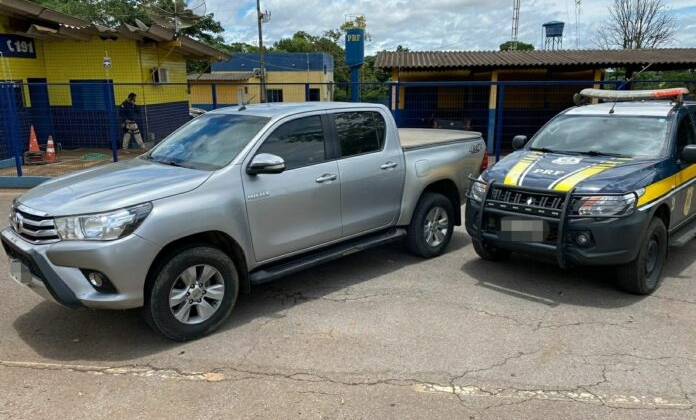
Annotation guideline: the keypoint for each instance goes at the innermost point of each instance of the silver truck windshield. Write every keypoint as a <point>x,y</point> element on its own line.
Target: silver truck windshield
<point>208,142</point>
<point>630,136</point>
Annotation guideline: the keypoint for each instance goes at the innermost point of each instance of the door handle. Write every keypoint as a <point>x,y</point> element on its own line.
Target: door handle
<point>389,165</point>
<point>326,177</point>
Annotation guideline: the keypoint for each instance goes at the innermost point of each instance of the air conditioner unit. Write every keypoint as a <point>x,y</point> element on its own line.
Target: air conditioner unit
<point>256,71</point>
<point>160,75</point>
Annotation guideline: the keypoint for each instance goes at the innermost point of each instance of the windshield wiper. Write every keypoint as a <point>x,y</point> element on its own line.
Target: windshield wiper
<point>598,153</point>
<point>547,150</point>
<point>169,162</point>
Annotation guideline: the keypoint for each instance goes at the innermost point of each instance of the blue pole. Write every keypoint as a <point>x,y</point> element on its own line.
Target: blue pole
<point>397,113</point>
<point>10,117</point>
<point>499,121</point>
<point>214,92</point>
<point>113,122</point>
<point>355,84</point>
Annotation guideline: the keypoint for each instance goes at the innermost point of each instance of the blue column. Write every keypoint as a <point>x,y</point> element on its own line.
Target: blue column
<point>499,121</point>
<point>10,118</point>
<point>355,84</point>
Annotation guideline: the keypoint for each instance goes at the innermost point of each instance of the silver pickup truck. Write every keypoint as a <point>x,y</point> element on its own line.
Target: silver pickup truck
<point>238,197</point>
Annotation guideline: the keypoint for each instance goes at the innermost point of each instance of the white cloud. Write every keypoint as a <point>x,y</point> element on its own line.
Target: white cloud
<point>426,25</point>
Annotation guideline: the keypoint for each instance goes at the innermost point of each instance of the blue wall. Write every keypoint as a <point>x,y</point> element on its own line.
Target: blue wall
<point>277,62</point>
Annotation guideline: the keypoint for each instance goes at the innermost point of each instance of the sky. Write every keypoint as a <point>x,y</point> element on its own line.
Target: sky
<point>445,25</point>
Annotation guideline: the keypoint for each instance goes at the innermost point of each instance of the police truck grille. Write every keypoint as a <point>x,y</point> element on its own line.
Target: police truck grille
<point>35,228</point>
<point>525,201</point>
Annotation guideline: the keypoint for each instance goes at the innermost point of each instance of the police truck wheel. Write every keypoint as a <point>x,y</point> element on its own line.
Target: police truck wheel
<point>488,252</point>
<point>192,294</point>
<point>642,276</point>
<point>431,226</point>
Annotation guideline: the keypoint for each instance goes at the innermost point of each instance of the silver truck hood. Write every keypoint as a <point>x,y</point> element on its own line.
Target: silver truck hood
<point>111,187</point>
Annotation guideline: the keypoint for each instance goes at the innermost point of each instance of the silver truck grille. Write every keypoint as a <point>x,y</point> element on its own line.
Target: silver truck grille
<point>35,228</point>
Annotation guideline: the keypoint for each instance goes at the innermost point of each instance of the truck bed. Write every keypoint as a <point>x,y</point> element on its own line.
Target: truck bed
<point>419,137</point>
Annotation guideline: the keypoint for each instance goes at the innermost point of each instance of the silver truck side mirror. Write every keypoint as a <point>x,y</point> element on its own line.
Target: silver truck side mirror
<point>518,142</point>
<point>266,163</point>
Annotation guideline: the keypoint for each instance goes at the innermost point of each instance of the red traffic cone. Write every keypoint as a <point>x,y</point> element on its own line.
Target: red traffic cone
<point>50,151</point>
<point>33,144</point>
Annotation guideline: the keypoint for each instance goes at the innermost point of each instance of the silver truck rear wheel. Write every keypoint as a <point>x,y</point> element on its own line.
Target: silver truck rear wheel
<point>431,226</point>
<point>643,275</point>
<point>193,293</point>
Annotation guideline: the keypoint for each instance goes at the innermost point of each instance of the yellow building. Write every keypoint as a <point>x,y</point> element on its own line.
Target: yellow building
<point>289,77</point>
<point>70,75</point>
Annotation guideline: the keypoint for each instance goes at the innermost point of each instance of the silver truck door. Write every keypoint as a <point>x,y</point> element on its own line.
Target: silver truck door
<point>372,171</point>
<point>300,207</point>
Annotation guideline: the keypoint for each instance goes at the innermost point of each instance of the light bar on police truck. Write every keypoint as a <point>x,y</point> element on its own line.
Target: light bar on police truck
<point>632,95</point>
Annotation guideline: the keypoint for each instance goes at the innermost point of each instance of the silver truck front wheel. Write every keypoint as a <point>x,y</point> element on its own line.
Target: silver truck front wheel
<point>431,226</point>
<point>192,293</point>
<point>197,294</point>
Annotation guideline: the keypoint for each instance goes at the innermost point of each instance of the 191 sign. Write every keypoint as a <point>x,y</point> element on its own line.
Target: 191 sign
<point>17,46</point>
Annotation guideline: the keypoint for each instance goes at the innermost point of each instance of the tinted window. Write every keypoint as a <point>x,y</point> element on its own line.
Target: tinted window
<point>685,134</point>
<point>274,95</point>
<point>359,132</point>
<point>299,142</point>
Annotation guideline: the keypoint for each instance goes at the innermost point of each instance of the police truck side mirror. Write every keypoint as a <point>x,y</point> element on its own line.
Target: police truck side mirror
<point>518,142</point>
<point>689,154</point>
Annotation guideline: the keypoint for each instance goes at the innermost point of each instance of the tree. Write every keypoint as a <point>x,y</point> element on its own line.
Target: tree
<point>636,24</point>
<point>521,46</point>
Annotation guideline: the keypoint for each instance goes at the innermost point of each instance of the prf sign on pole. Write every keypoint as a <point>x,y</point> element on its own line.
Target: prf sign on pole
<point>355,54</point>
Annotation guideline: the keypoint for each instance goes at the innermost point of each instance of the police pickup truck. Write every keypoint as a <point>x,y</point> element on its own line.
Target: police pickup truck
<point>237,197</point>
<point>605,183</point>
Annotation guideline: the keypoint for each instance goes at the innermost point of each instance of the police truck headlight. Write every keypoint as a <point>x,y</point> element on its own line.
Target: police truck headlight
<point>606,205</point>
<point>478,189</point>
<point>102,226</point>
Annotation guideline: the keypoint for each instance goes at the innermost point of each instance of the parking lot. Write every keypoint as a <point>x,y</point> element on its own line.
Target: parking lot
<point>377,335</point>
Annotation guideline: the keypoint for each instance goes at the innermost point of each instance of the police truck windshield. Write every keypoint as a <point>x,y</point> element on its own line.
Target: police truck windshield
<point>628,136</point>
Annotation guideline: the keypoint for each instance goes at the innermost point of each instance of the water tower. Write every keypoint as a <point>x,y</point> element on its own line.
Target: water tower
<point>553,35</point>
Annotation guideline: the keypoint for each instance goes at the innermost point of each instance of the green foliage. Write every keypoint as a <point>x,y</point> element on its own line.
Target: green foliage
<point>358,22</point>
<point>521,46</point>
<point>374,88</point>
<point>111,13</point>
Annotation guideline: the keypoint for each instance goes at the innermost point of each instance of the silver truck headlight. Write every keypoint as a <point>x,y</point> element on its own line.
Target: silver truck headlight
<point>102,226</point>
<point>478,189</point>
<point>606,205</point>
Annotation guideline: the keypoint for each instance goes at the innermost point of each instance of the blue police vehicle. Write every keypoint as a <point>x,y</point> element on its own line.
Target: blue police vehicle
<point>607,182</point>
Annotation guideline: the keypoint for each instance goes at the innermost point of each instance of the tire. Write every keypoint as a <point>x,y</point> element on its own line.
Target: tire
<point>643,275</point>
<point>431,226</point>
<point>490,253</point>
<point>192,294</point>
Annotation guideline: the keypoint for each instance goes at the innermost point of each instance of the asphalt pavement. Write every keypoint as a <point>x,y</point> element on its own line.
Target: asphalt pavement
<point>376,335</point>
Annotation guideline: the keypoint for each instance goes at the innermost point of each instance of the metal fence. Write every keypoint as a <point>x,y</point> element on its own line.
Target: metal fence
<point>82,117</point>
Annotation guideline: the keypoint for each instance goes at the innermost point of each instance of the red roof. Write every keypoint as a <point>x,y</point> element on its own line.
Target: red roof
<point>661,59</point>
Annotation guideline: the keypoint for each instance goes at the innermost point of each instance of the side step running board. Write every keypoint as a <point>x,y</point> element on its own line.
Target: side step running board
<point>683,235</point>
<point>282,269</point>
